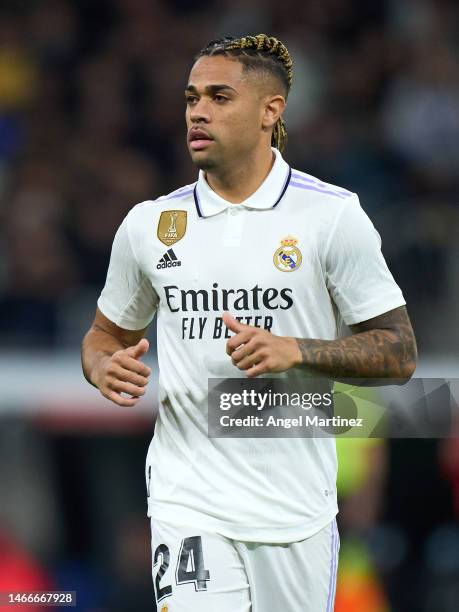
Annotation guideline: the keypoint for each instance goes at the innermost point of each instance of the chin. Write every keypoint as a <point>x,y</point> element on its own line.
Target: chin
<point>203,162</point>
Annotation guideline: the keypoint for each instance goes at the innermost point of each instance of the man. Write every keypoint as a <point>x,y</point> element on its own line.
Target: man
<point>240,524</point>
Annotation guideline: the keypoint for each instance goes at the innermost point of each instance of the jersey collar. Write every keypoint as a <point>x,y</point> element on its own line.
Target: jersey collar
<point>268,195</point>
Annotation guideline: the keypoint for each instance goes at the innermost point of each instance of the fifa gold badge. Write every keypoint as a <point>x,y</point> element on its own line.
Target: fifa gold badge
<point>288,257</point>
<point>164,608</point>
<point>172,226</point>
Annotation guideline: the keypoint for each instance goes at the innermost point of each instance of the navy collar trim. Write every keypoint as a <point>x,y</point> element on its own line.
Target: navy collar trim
<point>284,189</point>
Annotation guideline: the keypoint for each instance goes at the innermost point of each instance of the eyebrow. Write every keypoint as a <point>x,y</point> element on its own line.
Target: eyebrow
<point>212,89</point>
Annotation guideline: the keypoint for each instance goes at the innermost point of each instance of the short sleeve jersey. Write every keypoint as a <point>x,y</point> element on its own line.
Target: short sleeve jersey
<point>299,258</point>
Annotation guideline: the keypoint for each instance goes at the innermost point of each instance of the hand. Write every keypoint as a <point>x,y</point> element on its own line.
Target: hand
<point>257,351</point>
<point>123,372</point>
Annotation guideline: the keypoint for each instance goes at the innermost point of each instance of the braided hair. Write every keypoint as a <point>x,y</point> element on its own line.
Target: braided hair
<point>259,52</point>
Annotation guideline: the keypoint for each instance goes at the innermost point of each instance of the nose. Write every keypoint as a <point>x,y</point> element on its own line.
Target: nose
<point>200,112</point>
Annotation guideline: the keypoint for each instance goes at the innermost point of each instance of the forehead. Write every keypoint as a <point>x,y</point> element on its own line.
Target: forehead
<point>217,69</point>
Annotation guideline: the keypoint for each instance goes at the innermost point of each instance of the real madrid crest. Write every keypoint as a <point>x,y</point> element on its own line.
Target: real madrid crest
<point>171,226</point>
<point>288,257</point>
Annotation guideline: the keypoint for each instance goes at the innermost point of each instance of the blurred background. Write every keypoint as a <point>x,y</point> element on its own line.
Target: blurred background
<point>91,123</point>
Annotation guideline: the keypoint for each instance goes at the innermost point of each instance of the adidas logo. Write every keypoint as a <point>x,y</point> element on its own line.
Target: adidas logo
<point>168,260</point>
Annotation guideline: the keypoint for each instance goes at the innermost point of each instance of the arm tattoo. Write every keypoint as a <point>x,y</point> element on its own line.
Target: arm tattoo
<point>383,347</point>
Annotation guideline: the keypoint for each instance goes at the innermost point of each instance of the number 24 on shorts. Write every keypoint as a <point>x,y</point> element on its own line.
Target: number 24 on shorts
<point>190,556</point>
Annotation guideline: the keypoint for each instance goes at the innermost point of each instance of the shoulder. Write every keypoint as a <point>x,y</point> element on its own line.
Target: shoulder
<point>182,193</point>
<point>140,216</point>
<point>326,205</point>
<point>182,196</point>
<point>306,183</point>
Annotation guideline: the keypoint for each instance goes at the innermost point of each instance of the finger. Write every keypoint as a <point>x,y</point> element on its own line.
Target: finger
<point>131,364</point>
<point>249,361</point>
<point>241,338</point>
<point>131,377</point>
<point>125,387</point>
<point>232,323</point>
<point>120,400</point>
<point>260,368</point>
<point>242,352</point>
<point>139,349</point>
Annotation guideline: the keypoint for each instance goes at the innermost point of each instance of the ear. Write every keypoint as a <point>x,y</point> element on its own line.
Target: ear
<point>273,108</point>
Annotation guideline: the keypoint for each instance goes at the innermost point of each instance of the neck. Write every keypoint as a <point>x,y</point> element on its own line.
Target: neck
<point>238,182</point>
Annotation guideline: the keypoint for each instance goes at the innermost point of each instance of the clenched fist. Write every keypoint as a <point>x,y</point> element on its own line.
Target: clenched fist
<point>257,351</point>
<point>123,372</point>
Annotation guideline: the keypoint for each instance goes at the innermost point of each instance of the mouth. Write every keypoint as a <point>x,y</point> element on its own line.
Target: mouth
<point>199,139</point>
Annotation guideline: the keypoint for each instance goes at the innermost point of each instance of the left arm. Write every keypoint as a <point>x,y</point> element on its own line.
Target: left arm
<point>382,347</point>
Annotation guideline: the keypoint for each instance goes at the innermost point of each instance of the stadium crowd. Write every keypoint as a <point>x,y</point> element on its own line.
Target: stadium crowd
<point>91,122</point>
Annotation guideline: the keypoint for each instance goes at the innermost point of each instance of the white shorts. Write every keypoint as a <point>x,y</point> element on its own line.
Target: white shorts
<point>198,571</point>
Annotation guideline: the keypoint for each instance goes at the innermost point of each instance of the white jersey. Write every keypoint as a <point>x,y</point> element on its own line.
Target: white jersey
<point>298,257</point>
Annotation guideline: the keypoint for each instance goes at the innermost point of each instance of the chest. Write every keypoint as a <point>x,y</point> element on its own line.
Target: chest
<point>237,249</point>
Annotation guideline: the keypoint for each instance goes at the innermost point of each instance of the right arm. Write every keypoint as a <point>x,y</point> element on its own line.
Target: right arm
<point>110,357</point>
<point>114,344</point>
